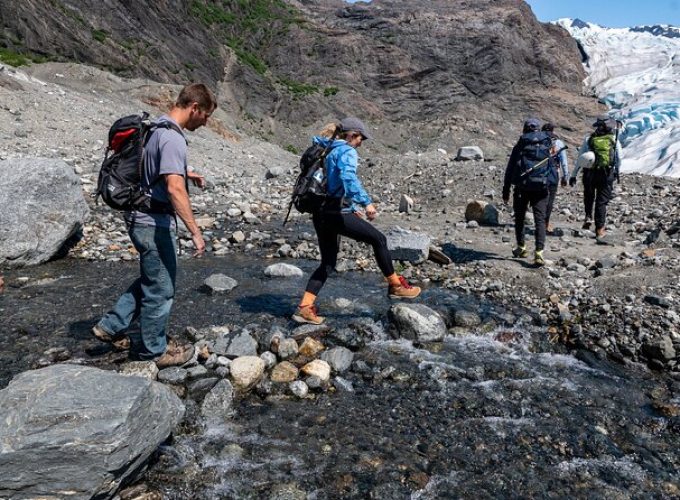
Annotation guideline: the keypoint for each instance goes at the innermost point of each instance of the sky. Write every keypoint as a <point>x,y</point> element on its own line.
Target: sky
<point>610,13</point>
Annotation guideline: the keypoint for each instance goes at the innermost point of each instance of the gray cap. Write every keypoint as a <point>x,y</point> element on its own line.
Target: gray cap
<point>532,124</point>
<point>352,123</point>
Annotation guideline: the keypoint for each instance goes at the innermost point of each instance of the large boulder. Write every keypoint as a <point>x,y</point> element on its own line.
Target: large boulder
<point>481,212</point>
<point>79,432</point>
<point>407,245</point>
<point>416,322</point>
<point>42,207</point>
<point>469,153</point>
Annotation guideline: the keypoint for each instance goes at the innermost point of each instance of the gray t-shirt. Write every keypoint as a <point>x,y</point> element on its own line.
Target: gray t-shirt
<point>165,153</point>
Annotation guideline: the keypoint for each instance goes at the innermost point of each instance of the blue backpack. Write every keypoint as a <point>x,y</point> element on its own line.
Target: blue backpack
<point>536,164</point>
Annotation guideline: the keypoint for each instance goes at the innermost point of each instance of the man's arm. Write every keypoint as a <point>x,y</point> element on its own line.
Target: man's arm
<point>179,198</point>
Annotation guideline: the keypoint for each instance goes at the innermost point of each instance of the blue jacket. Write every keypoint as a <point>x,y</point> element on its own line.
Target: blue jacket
<point>341,174</point>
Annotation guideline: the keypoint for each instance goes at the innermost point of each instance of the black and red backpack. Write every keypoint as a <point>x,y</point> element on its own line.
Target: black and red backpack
<point>121,173</point>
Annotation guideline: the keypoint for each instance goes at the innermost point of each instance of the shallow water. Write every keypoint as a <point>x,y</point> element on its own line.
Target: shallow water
<point>472,417</point>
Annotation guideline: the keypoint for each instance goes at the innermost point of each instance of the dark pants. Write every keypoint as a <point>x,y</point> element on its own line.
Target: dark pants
<point>598,187</point>
<point>539,203</point>
<point>149,298</point>
<point>329,227</point>
<point>552,192</point>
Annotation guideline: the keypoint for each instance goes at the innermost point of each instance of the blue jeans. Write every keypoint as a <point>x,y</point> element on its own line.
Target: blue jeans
<point>149,299</point>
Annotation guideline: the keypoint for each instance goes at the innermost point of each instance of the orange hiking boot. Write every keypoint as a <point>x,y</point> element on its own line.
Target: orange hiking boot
<point>308,314</point>
<point>403,290</point>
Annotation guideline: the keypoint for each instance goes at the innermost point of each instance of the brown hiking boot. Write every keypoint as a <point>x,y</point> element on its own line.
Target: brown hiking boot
<point>175,355</point>
<point>120,342</point>
<point>549,228</point>
<point>308,314</point>
<point>403,290</point>
<point>600,232</point>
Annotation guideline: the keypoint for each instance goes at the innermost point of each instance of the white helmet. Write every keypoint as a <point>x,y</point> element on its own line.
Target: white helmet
<point>586,160</point>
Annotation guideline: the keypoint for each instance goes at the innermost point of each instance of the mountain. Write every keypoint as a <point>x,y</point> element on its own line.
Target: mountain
<point>635,71</point>
<point>420,71</point>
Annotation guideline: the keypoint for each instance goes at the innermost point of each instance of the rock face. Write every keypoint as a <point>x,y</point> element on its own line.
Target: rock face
<point>80,430</point>
<point>42,206</point>
<point>442,63</point>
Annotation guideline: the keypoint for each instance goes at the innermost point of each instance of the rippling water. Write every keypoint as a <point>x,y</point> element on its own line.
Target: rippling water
<point>500,414</point>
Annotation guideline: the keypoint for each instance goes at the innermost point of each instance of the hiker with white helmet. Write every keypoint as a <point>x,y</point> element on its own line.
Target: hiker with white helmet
<point>600,159</point>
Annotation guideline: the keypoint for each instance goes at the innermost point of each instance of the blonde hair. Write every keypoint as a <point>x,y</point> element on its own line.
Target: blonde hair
<point>333,129</point>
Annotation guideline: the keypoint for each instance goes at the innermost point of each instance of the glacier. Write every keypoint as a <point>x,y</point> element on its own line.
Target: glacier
<point>636,73</point>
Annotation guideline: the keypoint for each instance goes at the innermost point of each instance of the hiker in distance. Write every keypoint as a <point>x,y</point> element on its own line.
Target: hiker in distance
<point>530,170</point>
<point>153,233</point>
<point>561,164</point>
<point>344,213</point>
<point>600,159</point>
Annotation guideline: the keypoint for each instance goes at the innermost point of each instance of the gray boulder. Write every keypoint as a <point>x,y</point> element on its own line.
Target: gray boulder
<point>407,245</point>
<point>218,404</point>
<point>481,212</point>
<point>80,430</point>
<point>234,345</point>
<point>469,153</point>
<point>42,206</point>
<point>220,283</point>
<point>282,270</point>
<point>416,322</point>
<point>339,358</point>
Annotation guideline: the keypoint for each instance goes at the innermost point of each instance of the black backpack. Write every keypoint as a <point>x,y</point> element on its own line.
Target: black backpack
<point>121,173</point>
<point>536,163</point>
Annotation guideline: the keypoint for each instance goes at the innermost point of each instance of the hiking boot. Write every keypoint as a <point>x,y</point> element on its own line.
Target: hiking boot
<point>520,252</point>
<point>403,290</point>
<point>308,314</point>
<point>600,232</point>
<point>538,258</point>
<point>549,228</point>
<point>587,223</point>
<point>175,355</point>
<point>120,342</point>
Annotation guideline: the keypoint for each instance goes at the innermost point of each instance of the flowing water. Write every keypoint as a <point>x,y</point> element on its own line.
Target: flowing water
<point>499,414</point>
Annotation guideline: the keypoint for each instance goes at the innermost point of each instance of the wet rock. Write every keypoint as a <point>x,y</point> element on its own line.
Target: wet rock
<point>173,375</point>
<point>42,207</point>
<point>60,423</point>
<point>339,358</point>
<point>318,368</point>
<point>469,153</point>
<point>246,371</point>
<point>303,331</point>
<point>199,388</point>
<point>270,340</point>
<point>220,283</point>
<point>481,212</point>
<point>218,404</point>
<point>146,369</point>
<point>236,344</point>
<point>311,347</point>
<point>416,322</point>
<point>407,245</point>
<point>660,349</point>
<point>288,348</point>
<point>197,371</point>
<point>282,270</point>
<point>299,388</point>
<point>284,372</point>
<point>466,318</point>
<point>343,385</point>
<point>288,491</point>
<point>269,359</point>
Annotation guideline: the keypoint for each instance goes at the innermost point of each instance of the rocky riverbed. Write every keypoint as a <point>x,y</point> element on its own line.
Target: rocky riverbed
<point>402,418</point>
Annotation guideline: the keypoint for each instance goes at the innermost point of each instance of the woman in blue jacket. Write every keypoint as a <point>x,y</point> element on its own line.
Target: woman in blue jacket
<point>344,213</point>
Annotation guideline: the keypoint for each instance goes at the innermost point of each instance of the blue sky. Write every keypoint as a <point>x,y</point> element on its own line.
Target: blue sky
<point>610,13</point>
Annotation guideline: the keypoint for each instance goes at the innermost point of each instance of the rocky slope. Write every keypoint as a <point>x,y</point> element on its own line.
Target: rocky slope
<point>426,72</point>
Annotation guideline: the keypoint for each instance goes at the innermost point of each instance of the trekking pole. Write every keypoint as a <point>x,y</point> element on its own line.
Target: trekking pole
<point>543,161</point>
<point>290,207</point>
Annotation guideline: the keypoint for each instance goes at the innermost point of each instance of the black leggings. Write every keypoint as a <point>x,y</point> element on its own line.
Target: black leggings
<point>329,227</point>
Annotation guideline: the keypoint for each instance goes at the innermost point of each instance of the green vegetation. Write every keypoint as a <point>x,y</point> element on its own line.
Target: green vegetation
<point>210,14</point>
<point>13,58</point>
<point>298,88</point>
<point>292,149</point>
<point>99,35</point>
<point>329,91</point>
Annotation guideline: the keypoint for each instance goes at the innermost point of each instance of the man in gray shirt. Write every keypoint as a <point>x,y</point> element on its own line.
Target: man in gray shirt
<point>149,299</point>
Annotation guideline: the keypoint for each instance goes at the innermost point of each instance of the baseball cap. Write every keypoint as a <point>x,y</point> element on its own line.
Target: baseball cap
<point>352,123</point>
